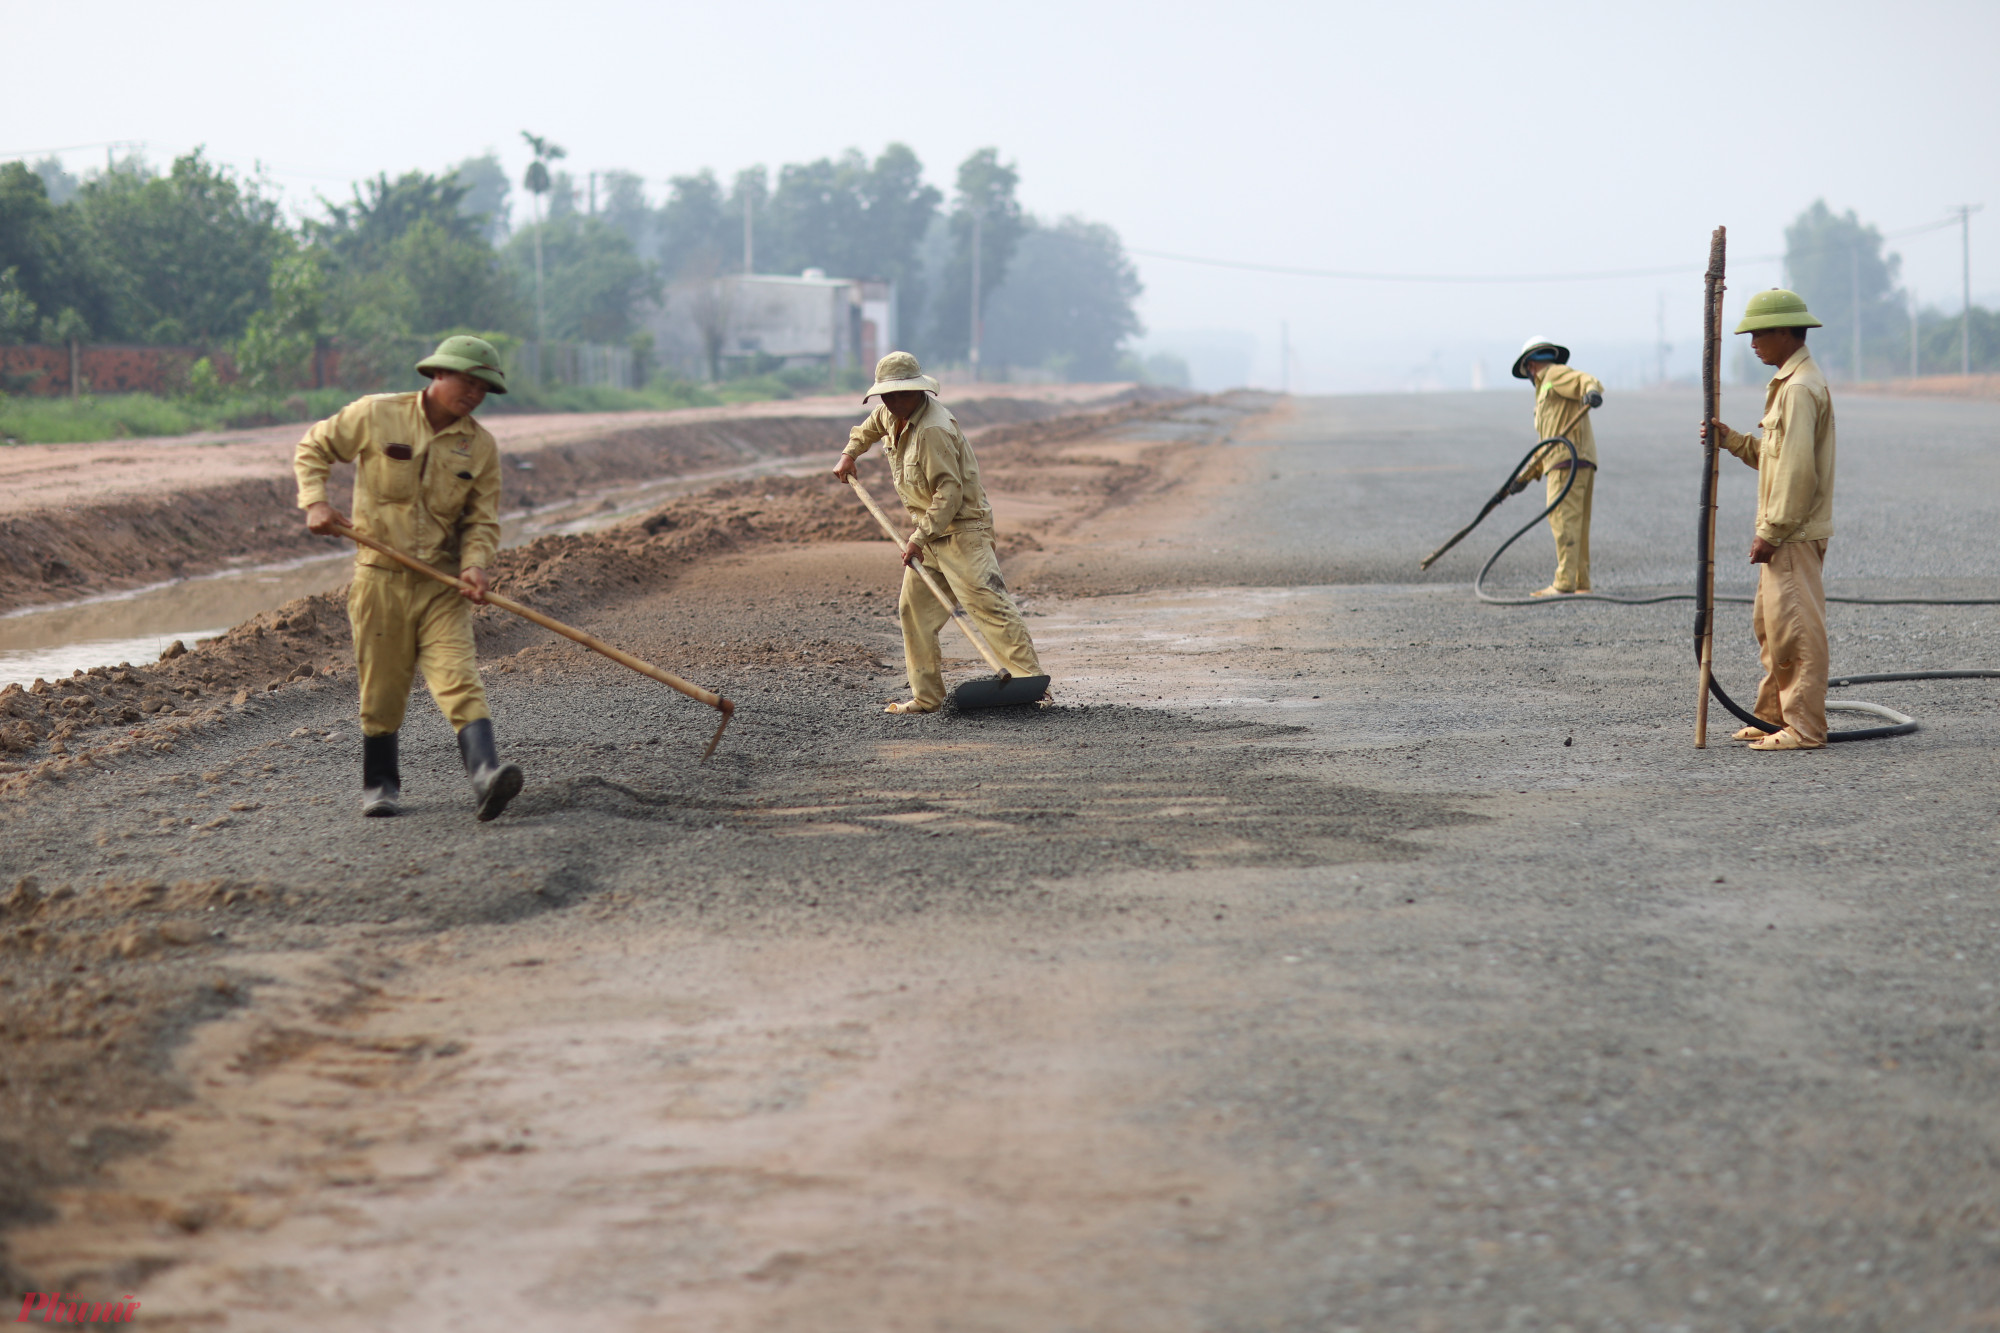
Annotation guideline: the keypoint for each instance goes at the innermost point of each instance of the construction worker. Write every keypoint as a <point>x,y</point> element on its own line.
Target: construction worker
<point>1794,462</point>
<point>1563,399</point>
<point>427,482</point>
<point>938,480</point>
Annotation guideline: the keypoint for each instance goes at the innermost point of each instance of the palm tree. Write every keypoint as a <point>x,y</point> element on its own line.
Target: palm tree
<point>537,181</point>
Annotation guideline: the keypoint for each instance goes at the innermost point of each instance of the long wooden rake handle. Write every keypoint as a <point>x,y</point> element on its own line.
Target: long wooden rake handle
<point>590,641</point>
<point>930,581</point>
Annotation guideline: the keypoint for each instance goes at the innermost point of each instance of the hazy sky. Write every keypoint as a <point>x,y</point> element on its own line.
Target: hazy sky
<point>1395,138</point>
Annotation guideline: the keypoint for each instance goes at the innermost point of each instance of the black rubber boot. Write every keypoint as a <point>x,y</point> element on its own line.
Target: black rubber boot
<point>493,782</point>
<point>381,780</point>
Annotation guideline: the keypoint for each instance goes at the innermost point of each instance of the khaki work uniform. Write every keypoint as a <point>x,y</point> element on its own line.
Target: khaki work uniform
<point>435,495</point>
<point>1794,463</point>
<point>937,479</point>
<point>1560,410</point>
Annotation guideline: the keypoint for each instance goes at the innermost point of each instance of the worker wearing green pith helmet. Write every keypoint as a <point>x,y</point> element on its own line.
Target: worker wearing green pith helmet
<point>427,482</point>
<point>1794,462</point>
<point>1564,397</point>
<point>937,479</point>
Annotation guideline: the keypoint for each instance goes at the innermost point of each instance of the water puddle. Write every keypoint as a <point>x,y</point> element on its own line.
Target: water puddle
<point>138,626</point>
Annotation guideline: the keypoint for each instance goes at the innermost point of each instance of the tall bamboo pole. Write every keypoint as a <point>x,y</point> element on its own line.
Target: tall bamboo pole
<point>1711,389</point>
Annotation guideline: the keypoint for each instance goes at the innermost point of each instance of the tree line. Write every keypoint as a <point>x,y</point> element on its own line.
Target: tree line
<point>1838,264</point>
<point>199,255</point>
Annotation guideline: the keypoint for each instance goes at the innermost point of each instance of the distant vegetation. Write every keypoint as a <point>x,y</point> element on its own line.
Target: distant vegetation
<point>200,256</point>
<point>1837,263</point>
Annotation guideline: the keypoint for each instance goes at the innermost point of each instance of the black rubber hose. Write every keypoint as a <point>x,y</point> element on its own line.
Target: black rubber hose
<point>1705,609</point>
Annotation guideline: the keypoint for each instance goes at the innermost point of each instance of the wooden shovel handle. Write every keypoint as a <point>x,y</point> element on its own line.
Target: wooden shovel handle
<point>930,580</point>
<point>590,641</point>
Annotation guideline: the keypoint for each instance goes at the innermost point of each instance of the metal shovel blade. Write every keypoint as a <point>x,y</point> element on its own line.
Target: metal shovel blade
<point>993,692</point>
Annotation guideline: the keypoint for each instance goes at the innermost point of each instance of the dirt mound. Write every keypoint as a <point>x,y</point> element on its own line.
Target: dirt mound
<point>201,522</point>
<point>54,727</point>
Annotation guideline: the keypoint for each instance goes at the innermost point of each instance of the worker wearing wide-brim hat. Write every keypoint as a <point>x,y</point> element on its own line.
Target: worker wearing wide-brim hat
<point>1794,462</point>
<point>427,482</point>
<point>937,479</point>
<point>1564,397</point>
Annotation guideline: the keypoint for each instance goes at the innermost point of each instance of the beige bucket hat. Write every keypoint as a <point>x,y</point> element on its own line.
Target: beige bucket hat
<point>899,372</point>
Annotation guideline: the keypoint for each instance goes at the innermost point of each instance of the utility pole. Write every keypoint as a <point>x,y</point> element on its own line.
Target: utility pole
<point>539,182</point>
<point>1913,331</point>
<point>749,247</point>
<point>977,220</point>
<point>1965,212</point>
<point>593,194</point>
<point>1854,285</point>
<point>1660,346</point>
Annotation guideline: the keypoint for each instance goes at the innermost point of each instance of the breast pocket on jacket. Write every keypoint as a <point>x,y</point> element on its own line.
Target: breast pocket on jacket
<point>389,473</point>
<point>447,487</point>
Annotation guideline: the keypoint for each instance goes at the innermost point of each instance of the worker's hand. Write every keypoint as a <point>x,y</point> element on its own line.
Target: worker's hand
<point>324,519</point>
<point>472,584</point>
<point>844,468</point>
<point>1594,398</point>
<point>1761,551</point>
<point>913,550</point>
<point>1717,433</point>
<point>1520,484</point>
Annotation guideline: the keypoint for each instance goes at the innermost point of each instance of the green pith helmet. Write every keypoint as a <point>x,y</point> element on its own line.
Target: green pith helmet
<point>1776,309</point>
<point>474,356</point>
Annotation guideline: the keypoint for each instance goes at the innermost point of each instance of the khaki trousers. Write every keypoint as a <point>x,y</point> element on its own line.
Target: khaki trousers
<point>402,622</point>
<point>1790,619</point>
<point>971,571</point>
<point>1571,525</point>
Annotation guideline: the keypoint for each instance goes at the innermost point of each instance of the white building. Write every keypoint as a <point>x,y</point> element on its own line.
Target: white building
<point>763,321</point>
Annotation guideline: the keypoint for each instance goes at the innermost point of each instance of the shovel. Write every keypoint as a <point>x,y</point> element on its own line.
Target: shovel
<point>1004,690</point>
<point>590,641</point>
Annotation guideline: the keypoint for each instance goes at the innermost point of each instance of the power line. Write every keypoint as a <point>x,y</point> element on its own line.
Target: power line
<point>11,154</point>
<point>1352,275</point>
<point>1602,275</point>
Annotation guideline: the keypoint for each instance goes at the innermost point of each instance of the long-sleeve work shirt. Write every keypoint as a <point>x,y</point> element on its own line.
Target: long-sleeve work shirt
<point>936,476</point>
<point>1794,460</point>
<point>1562,408</point>
<point>435,495</point>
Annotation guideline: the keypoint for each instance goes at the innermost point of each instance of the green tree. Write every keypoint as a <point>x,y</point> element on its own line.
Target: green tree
<point>596,284</point>
<point>985,208</point>
<point>402,263</point>
<point>38,254</point>
<point>854,219</point>
<point>695,227</point>
<point>278,348</point>
<point>184,257</point>
<point>1066,303</point>
<point>486,191</point>
<point>360,234</point>
<point>1836,263</point>
<point>61,185</point>
<point>624,207</point>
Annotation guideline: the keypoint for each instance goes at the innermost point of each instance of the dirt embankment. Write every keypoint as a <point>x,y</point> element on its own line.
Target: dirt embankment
<point>57,729</point>
<point>60,553</point>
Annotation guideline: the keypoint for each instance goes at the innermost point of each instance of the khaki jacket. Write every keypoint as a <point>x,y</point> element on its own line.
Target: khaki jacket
<point>935,473</point>
<point>1794,460</point>
<point>440,503</point>
<point>1560,409</point>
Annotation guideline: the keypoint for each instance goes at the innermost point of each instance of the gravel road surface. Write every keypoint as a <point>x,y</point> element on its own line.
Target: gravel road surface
<point>1339,953</point>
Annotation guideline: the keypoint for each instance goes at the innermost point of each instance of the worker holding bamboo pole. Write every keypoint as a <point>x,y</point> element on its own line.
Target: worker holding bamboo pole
<point>1794,462</point>
<point>427,482</point>
<point>937,478</point>
<point>1564,397</point>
